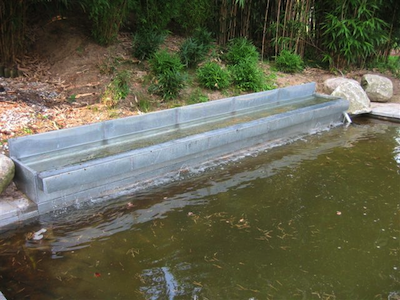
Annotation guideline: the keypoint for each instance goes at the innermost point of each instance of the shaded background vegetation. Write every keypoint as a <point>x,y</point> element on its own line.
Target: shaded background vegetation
<point>343,33</point>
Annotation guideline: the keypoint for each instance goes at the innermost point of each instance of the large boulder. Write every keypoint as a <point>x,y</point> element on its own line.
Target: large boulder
<point>378,88</point>
<point>352,91</point>
<point>7,171</point>
<point>332,83</point>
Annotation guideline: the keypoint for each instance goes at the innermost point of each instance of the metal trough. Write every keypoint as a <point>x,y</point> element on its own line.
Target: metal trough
<point>58,168</point>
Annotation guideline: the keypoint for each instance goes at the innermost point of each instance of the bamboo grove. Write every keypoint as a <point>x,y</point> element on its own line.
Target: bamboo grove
<point>343,32</point>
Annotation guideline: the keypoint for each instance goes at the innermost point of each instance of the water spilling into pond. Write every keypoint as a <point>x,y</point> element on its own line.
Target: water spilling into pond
<point>315,219</point>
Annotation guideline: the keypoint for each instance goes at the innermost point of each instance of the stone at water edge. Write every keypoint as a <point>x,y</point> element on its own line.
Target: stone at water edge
<point>359,101</point>
<point>378,88</point>
<point>7,171</point>
<point>332,83</point>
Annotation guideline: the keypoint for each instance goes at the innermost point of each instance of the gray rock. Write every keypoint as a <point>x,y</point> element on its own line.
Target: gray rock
<point>2,297</point>
<point>7,171</point>
<point>332,83</point>
<point>378,88</point>
<point>352,91</point>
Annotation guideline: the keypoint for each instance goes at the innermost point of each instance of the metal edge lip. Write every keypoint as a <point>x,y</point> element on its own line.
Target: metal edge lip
<point>122,163</point>
<point>308,89</point>
<point>183,139</point>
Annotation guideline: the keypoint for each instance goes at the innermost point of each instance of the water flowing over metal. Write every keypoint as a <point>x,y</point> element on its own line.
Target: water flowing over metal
<point>57,169</point>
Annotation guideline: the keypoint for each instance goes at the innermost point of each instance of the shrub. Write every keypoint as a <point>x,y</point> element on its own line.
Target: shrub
<point>192,52</point>
<point>144,105</point>
<point>167,69</point>
<point>392,64</point>
<point>289,62</point>
<point>353,32</point>
<point>203,36</point>
<point>117,90</point>
<point>146,42</point>
<point>240,49</point>
<point>247,76</point>
<point>194,49</point>
<point>212,76</point>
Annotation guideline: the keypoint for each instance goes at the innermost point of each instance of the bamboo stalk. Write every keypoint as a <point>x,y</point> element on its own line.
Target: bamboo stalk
<point>277,27</point>
<point>264,31</point>
<point>12,24</point>
<point>285,19</point>
<point>248,19</point>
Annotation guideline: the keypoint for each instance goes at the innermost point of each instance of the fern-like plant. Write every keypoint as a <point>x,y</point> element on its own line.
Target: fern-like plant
<point>353,33</point>
<point>213,77</point>
<point>117,90</point>
<point>203,36</point>
<point>168,74</point>
<point>241,49</point>
<point>146,42</point>
<point>247,76</point>
<point>195,49</point>
<point>289,62</point>
<point>192,52</point>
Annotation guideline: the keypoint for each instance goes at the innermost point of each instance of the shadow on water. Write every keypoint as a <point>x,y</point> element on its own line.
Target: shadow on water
<point>315,219</point>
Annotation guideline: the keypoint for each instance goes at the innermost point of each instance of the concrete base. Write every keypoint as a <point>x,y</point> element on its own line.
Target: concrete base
<point>15,207</point>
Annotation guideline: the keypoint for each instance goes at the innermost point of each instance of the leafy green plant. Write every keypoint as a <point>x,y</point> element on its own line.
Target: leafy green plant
<point>147,41</point>
<point>247,76</point>
<point>289,62</point>
<point>212,76</point>
<point>107,17</point>
<point>197,97</point>
<point>270,81</point>
<point>72,98</point>
<point>352,33</point>
<point>3,142</point>
<point>93,108</point>
<point>144,105</point>
<point>203,36</point>
<point>27,130</point>
<point>192,52</point>
<point>391,64</point>
<point>241,49</point>
<point>168,74</point>
<point>194,49</point>
<point>117,90</point>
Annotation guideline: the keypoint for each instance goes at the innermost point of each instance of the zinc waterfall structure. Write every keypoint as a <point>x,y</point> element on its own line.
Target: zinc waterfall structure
<point>59,168</point>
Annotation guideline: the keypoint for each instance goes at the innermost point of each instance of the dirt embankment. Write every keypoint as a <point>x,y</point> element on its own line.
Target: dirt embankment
<point>66,74</point>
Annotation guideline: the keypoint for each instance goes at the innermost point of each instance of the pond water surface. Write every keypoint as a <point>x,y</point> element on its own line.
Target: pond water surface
<point>316,219</point>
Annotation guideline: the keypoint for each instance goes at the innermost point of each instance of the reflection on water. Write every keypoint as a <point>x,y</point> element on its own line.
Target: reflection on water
<point>316,219</point>
<point>396,150</point>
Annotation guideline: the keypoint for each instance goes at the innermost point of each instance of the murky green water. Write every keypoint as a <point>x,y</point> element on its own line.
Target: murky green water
<point>316,219</point>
